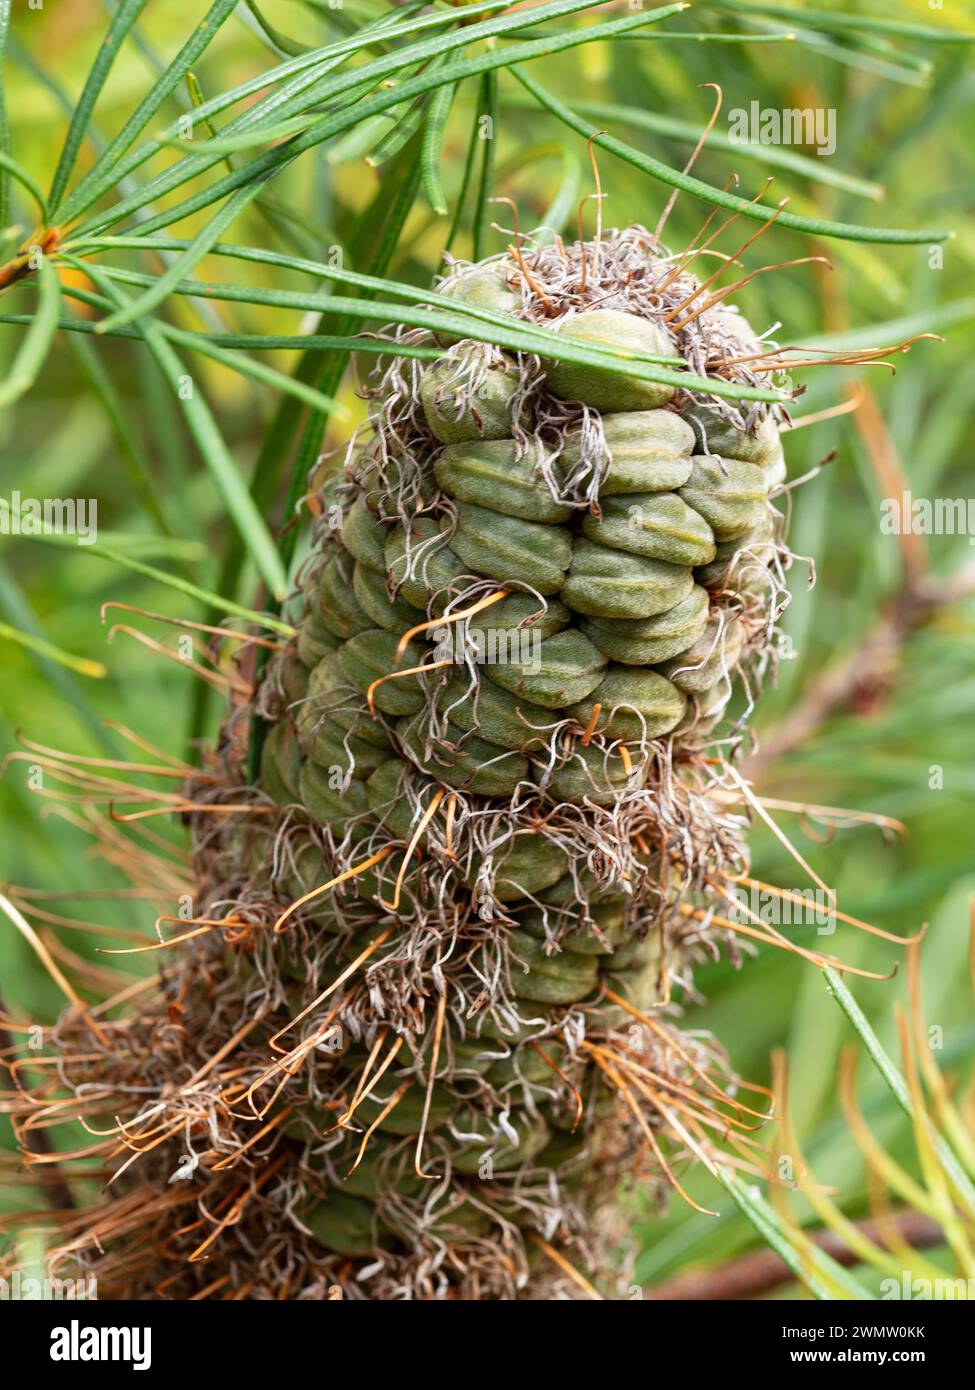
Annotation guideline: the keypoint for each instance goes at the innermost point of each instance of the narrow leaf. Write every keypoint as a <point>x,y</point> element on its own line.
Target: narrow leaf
<point>32,353</point>
<point>81,665</point>
<point>473,323</point>
<point>847,231</point>
<point>432,146</point>
<point>4,119</point>
<point>12,170</point>
<point>896,1083</point>
<point>212,448</point>
<point>125,17</point>
<point>774,156</point>
<point>813,1267</point>
<point>831,20</point>
<point>173,581</point>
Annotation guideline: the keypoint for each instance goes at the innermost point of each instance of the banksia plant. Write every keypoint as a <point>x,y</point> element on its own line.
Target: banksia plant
<point>482,857</point>
<point>474,808</point>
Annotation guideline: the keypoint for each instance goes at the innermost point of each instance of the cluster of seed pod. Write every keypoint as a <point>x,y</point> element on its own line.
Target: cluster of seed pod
<point>485,744</point>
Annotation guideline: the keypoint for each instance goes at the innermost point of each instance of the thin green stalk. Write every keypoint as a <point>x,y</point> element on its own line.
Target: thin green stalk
<point>36,343</point>
<point>5,146</point>
<point>898,1086</point>
<point>830,19</point>
<point>487,112</point>
<point>125,16</point>
<point>111,168</point>
<point>844,231</point>
<point>211,445</point>
<point>171,581</point>
<point>306,90</point>
<point>430,155</point>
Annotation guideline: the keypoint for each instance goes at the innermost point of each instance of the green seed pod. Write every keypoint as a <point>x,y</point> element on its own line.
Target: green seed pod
<point>729,494</point>
<point>505,1153</point>
<point>470,1055</point>
<point>364,538</point>
<point>566,668</point>
<point>330,695</point>
<point>372,595</point>
<point>422,565</point>
<point>607,389</point>
<point>315,641</point>
<point>496,474</point>
<point>378,1172</point>
<point>460,1222</point>
<point>706,707</point>
<point>328,796</point>
<point>579,890</point>
<point>524,865</point>
<point>608,918</point>
<point>370,655</point>
<point>758,446</point>
<point>483,287</point>
<point>329,745</point>
<point>561,979</point>
<point>407,1115</point>
<point>492,711</point>
<point>633,956</point>
<point>523,1064</point>
<point>387,800</point>
<point>281,764</point>
<point>498,547</point>
<point>590,773</point>
<point>456,414</point>
<point>635,704</point>
<point>288,675</point>
<point>340,610</point>
<point>305,872</point>
<point>529,855</point>
<point>659,526</point>
<point>521,611</point>
<point>563,1154</point>
<point>476,765</point>
<point>608,583</point>
<point>646,641</point>
<point>342,1223</point>
<point>650,451</point>
<point>713,656</point>
<point>756,546</point>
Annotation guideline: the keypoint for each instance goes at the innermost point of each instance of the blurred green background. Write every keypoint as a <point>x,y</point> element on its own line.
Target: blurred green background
<point>904,122</point>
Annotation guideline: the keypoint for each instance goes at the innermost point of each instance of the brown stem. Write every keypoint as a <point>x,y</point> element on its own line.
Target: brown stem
<point>752,1275</point>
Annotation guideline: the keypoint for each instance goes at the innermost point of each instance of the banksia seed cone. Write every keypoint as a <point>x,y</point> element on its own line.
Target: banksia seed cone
<point>499,799</point>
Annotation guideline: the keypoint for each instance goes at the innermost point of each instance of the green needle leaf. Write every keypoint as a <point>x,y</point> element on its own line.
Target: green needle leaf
<point>13,170</point>
<point>308,86</point>
<point>212,448</point>
<point>432,146</point>
<point>4,119</point>
<point>374,74</point>
<point>125,17</point>
<point>82,666</point>
<point>32,353</point>
<point>774,156</point>
<point>461,321</point>
<point>173,581</point>
<point>813,1267</point>
<point>185,263</point>
<point>281,41</point>
<point>831,20</point>
<point>844,231</point>
<point>897,1085</point>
